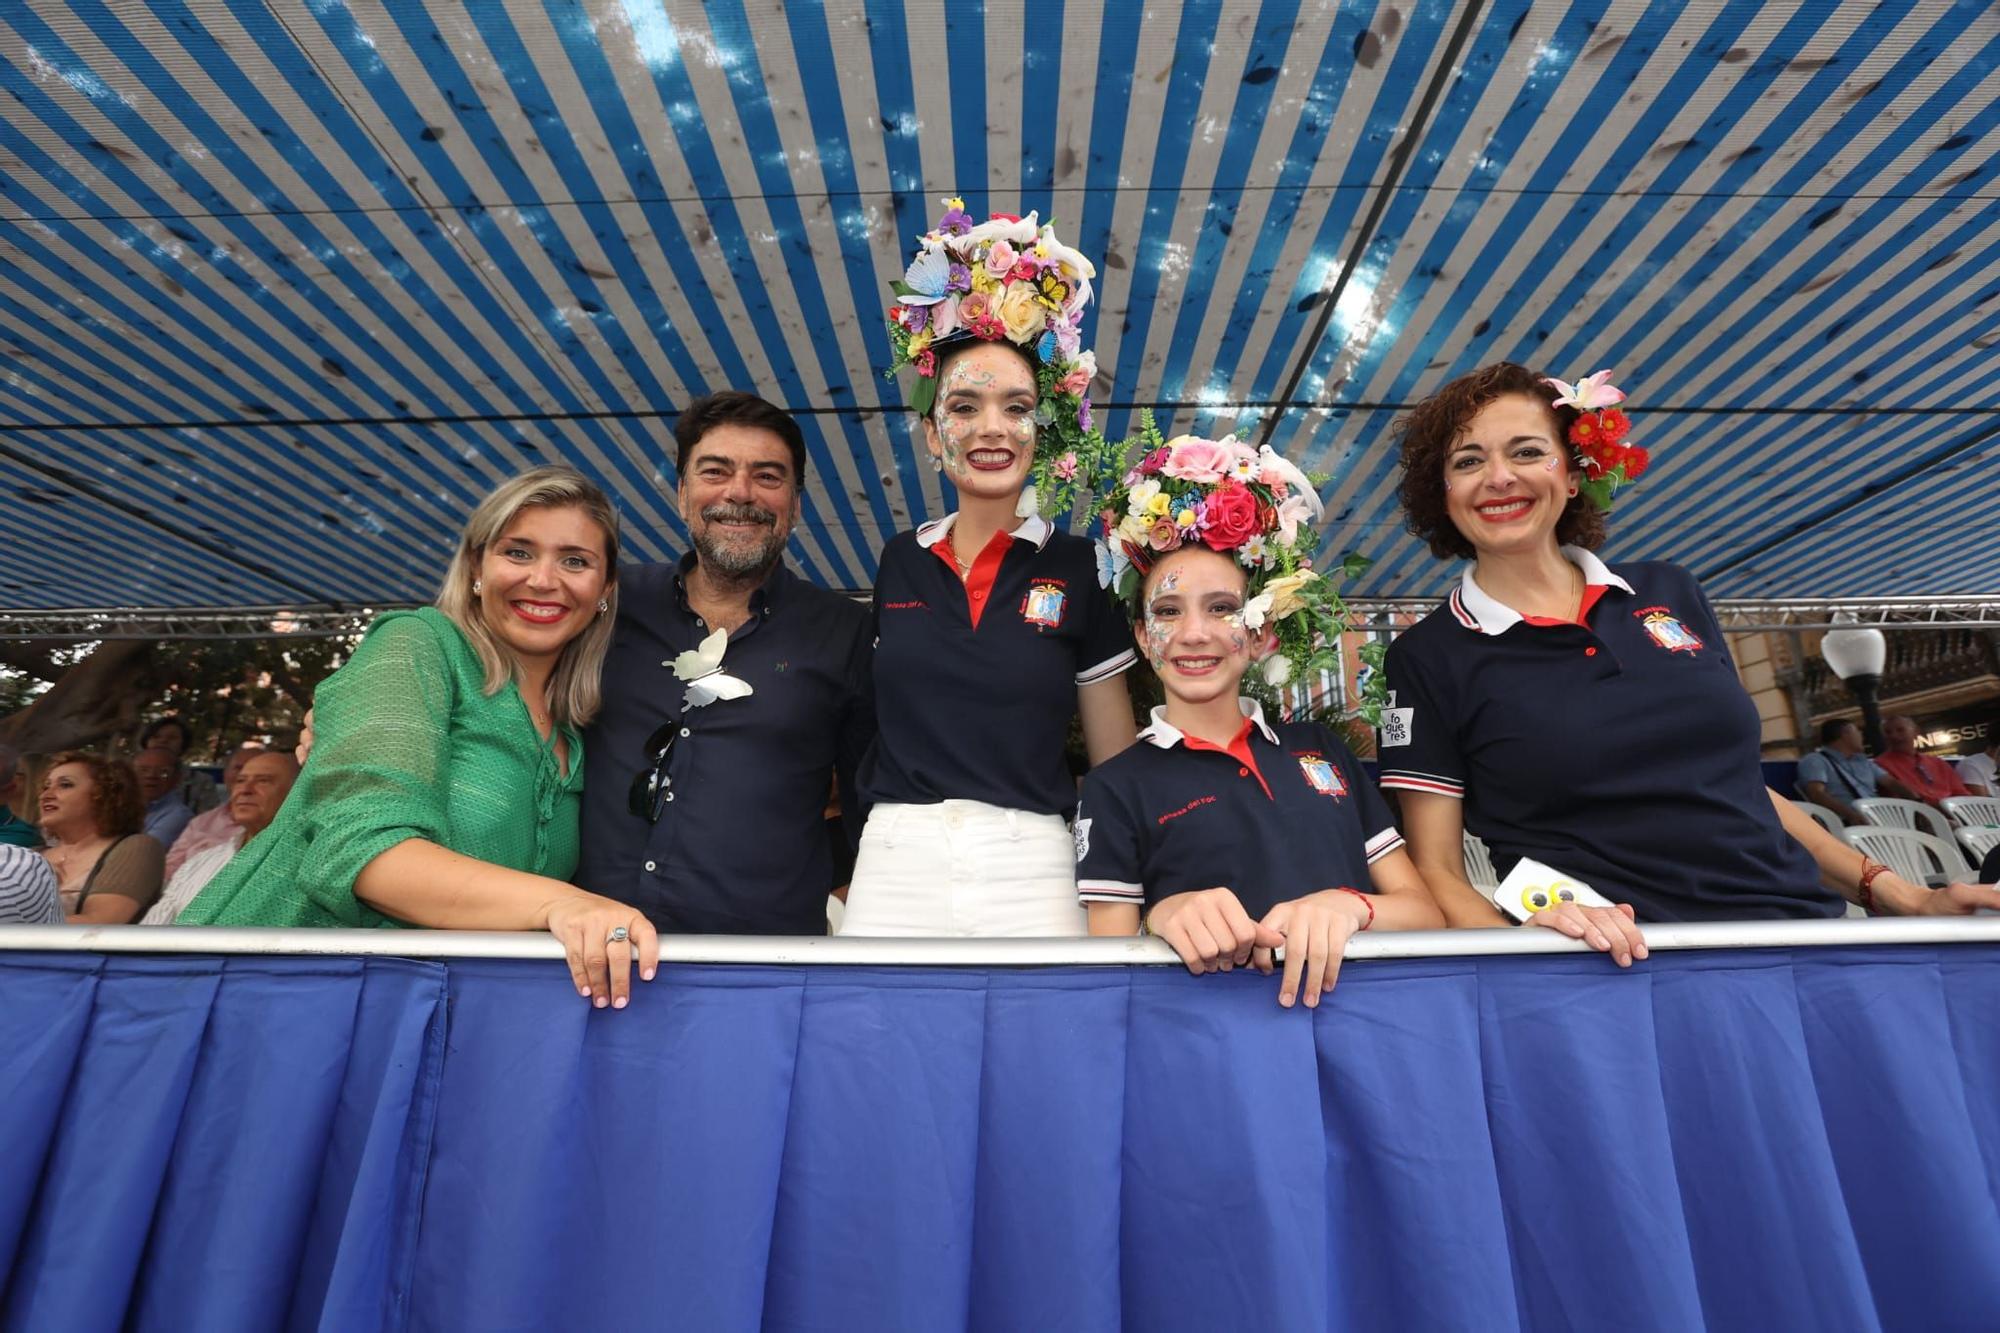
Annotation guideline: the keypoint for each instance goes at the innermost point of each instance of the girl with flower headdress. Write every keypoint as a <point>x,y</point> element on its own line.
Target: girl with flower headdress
<point>1227,831</point>
<point>992,632</point>
<point>1585,715</point>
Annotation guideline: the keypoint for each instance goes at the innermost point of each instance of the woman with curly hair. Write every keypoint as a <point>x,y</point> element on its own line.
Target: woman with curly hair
<point>107,871</point>
<point>1585,715</point>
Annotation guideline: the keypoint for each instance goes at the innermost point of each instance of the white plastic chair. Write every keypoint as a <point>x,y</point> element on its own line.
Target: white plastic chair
<point>1978,842</point>
<point>1828,820</point>
<point>1920,858</point>
<point>1972,811</point>
<point>1479,866</point>
<point>1891,813</point>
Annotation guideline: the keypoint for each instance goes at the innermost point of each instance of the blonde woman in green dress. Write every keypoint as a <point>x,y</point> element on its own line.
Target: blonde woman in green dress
<point>447,763</point>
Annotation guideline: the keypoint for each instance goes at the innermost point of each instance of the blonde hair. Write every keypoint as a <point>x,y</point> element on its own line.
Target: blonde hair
<point>576,686</point>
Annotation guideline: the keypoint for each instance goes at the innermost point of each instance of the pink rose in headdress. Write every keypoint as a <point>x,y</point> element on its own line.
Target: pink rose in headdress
<point>944,317</point>
<point>1164,535</point>
<point>1000,260</point>
<point>926,363</point>
<point>1190,458</point>
<point>975,312</point>
<point>1025,270</point>
<point>1081,372</point>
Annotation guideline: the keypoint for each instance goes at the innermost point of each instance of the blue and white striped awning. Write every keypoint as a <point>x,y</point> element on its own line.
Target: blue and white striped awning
<point>286,286</point>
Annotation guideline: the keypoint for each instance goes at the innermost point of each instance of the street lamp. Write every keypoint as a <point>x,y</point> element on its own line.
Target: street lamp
<point>1857,656</point>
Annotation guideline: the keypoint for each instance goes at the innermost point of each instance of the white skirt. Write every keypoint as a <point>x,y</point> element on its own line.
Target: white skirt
<point>964,869</point>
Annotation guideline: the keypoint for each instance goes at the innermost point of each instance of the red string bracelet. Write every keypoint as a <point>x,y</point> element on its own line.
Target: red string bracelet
<point>1366,901</point>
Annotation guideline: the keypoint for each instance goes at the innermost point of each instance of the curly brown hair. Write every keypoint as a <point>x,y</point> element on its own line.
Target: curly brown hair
<point>1435,425</point>
<point>115,801</point>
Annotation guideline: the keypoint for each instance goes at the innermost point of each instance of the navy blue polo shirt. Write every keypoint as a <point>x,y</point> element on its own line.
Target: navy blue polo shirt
<point>742,846</point>
<point>1282,812</point>
<point>976,679</point>
<point>1623,751</point>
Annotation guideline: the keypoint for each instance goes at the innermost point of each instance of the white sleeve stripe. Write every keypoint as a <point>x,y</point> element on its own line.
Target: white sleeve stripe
<point>1109,890</point>
<point>1379,846</point>
<point>1109,667</point>
<point>1422,782</point>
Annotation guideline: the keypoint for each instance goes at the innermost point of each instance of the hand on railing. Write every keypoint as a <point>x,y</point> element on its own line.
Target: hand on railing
<point>601,939</point>
<point>1211,932</point>
<point>1959,900</point>
<point>1316,930</point>
<point>1609,930</point>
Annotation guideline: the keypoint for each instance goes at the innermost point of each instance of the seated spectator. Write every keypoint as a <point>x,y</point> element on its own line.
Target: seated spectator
<point>1929,778</point>
<point>107,869</point>
<point>211,828</point>
<point>198,790</point>
<point>27,889</point>
<point>1989,869</point>
<point>167,810</point>
<point>1840,772</point>
<point>14,830</point>
<point>1978,769</point>
<point>261,784</point>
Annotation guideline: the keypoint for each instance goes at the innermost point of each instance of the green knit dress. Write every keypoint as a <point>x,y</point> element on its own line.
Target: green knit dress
<point>406,744</point>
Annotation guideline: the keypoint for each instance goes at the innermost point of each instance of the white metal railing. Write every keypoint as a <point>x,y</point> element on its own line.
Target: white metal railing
<point>1070,952</point>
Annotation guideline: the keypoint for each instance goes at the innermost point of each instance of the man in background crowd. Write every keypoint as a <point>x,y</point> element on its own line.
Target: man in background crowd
<point>167,810</point>
<point>1978,769</point>
<point>1840,772</point>
<point>211,828</point>
<point>199,791</point>
<point>1929,778</point>
<point>14,801</point>
<point>263,780</point>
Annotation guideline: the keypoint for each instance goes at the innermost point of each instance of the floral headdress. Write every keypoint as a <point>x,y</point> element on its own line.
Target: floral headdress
<point>1008,279</point>
<point>1244,502</point>
<point>1598,436</point>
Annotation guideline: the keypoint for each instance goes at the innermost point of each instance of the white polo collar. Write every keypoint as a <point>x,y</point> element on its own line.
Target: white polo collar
<point>1165,735</point>
<point>1475,610</point>
<point>1034,529</point>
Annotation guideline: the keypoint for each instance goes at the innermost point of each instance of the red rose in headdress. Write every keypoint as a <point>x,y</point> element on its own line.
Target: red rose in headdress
<point>1231,517</point>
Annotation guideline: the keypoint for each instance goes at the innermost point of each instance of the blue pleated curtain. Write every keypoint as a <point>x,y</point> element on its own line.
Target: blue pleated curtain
<point>1739,1140</point>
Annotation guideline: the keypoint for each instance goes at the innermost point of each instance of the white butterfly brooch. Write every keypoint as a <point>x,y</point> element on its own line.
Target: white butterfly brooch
<point>702,669</point>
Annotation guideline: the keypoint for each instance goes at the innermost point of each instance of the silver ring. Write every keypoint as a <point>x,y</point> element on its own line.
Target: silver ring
<point>618,935</point>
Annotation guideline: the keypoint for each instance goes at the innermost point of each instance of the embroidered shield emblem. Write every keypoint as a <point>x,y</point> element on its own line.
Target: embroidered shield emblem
<point>1044,605</point>
<point>1323,776</point>
<point>1665,629</point>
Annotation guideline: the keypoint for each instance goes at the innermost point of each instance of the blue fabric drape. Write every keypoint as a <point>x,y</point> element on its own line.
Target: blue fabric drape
<point>1730,1140</point>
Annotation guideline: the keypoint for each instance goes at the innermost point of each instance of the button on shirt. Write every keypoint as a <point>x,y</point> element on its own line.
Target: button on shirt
<point>976,679</point>
<point>741,847</point>
<point>1634,768</point>
<point>1279,813</point>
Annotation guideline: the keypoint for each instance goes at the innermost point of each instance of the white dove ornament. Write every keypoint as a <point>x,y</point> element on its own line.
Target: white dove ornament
<point>702,669</point>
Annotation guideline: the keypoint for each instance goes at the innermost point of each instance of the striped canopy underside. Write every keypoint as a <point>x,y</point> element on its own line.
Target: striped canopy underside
<point>286,287</point>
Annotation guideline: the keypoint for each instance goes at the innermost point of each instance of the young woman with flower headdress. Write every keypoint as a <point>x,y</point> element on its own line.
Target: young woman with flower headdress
<point>1584,715</point>
<point>992,632</point>
<point>1230,832</point>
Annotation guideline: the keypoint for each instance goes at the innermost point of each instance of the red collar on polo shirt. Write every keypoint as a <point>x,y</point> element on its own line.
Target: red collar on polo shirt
<point>936,538</point>
<point>1165,735</point>
<point>1475,609</point>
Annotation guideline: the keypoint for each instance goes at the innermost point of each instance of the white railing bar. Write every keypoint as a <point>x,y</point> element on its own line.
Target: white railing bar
<point>1061,952</point>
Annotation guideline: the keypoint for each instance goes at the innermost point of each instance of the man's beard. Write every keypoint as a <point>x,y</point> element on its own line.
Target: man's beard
<point>736,561</point>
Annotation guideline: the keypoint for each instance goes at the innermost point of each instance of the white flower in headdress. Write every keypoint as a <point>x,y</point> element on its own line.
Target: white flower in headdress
<point>1293,510</point>
<point>1587,394</point>
<point>1255,610</point>
<point>1277,670</point>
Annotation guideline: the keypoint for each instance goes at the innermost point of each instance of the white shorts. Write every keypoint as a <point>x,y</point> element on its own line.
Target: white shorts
<point>964,869</point>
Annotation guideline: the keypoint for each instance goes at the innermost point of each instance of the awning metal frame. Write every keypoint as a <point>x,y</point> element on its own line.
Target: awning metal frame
<point>1738,616</point>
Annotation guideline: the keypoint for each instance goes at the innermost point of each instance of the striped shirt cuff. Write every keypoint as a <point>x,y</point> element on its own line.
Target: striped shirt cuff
<point>1109,667</point>
<point>1435,783</point>
<point>1110,891</point>
<point>1379,846</point>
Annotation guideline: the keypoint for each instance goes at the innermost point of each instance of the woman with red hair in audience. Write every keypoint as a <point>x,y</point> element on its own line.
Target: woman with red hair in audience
<point>107,871</point>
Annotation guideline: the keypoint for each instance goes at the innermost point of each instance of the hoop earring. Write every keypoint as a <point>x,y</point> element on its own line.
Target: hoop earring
<point>475,587</point>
